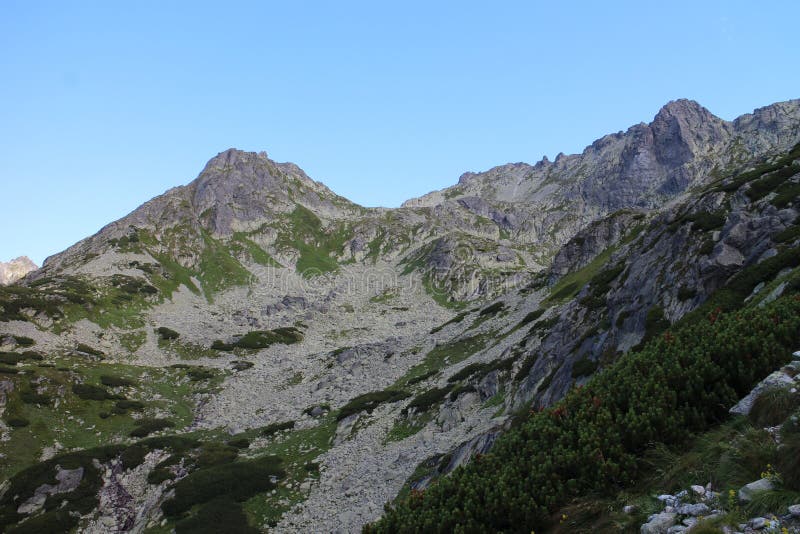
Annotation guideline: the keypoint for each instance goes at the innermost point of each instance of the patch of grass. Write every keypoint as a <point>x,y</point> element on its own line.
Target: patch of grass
<point>116,381</point>
<point>261,339</point>
<point>446,354</point>
<point>773,406</point>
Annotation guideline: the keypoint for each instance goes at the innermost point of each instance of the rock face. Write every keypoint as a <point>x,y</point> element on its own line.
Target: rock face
<point>15,270</point>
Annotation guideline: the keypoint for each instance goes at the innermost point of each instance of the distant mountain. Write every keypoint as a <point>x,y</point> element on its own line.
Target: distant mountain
<point>15,269</point>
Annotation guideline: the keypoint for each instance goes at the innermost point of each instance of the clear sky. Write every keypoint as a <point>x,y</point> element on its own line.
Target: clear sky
<point>106,104</point>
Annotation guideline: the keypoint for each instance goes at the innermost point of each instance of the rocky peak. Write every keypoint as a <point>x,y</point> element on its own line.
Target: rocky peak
<point>15,269</point>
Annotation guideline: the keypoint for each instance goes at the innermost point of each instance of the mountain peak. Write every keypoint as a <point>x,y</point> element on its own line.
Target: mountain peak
<point>15,269</point>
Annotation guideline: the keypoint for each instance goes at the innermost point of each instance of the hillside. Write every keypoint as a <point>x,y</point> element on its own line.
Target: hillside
<point>252,349</point>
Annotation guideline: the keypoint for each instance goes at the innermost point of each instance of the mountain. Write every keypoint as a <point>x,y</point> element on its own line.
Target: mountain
<point>15,269</point>
<point>298,360</point>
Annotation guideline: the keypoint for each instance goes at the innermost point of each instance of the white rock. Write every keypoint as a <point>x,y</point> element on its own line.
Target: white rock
<point>795,510</point>
<point>659,524</point>
<point>758,523</point>
<point>699,490</point>
<point>747,492</point>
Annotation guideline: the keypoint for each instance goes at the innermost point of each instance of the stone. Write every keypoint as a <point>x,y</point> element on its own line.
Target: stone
<point>758,523</point>
<point>746,493</point>
<point>630,509</point>
<point>777,378</point>
<point>699,490</point>
<point>659,523</point>
<point>794,510</point>
<point>693,509</point>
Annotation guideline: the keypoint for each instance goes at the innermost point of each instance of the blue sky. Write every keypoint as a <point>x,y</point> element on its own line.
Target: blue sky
<point>104,105</point>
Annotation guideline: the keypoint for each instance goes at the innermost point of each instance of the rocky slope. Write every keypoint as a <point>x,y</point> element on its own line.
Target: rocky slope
<point>15,270</point>
<point>389,346</point>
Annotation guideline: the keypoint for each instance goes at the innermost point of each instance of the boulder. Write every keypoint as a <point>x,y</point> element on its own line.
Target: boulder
<point>748,491</point>
<point>659,523</point>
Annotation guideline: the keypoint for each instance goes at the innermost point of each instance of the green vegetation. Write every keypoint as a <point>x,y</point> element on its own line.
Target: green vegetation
<point>304,233</point>
<point>241,244</point>
<point>369,401</point>
<point>261,339</point>
<point>274,428</point>
<point>773,406</point>
<point>425,401</point>
<point>446,354</point>
<point>592,440</point>
<point>147,426</point>
<point>455,320</point>
<point>167,334</point>
<point>583,367</point>
<point>218,268</point>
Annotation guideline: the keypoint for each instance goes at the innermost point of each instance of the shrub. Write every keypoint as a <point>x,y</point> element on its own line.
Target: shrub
<point>241,365</point>
<point>686,293</point>
<point>24,341</point>
<point>269,430</point>
<point>790,234</point>
<point>17,421</point>
<point>773,406</point>
<point>86,349</point>
<point>216,454</point>
<point>421,378</point>
<point>92,392</point>
<point>787,463</point>
<point>197,374</point>
<point>124,405</point>
<point>146,426</point>
<point>240,443</point>
<point>591,441</point>
<point>583,367</point>
<point>493,309</point>
<point>532,316</point>
<point>116,381</point>
<point>423,402</point>
<point>167,334</point>
<point>238,481</point>
<point>221,514</point>
<point>369,401</point>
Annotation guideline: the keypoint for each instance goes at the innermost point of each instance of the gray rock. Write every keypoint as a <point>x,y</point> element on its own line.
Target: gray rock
<point>794,510</point>
<point>758,523</point>
<point>748,491</point>
<point>659,524</point>
<point>776,379</point>
<point>693,509</point>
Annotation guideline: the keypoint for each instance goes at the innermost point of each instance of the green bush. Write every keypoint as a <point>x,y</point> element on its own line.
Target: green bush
<point>274,428</point>
<point>591,441</point>
<point>17,422</point>
<point>240,443</point>
<point>583,367</point>
<point>532,316</point>
<point>146,426</point>
<point>86,349</point>
<point>492,309</point>
<point>125,405</point>
<point>116,381</point>
<point>790,234</point>
<point>773,406</point>
<point>216,454</point>
<point>369,401</point>
<point>221,514</point>
<point>686,293</point>
<point>92,392</point>
<point>167,334</point>
<point>425,401</point>
<point>787,464</point>
<point>238,481</point>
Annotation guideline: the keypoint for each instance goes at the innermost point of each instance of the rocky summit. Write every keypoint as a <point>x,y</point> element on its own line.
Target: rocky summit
<point>549,347</point>
<point>15,269</point>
